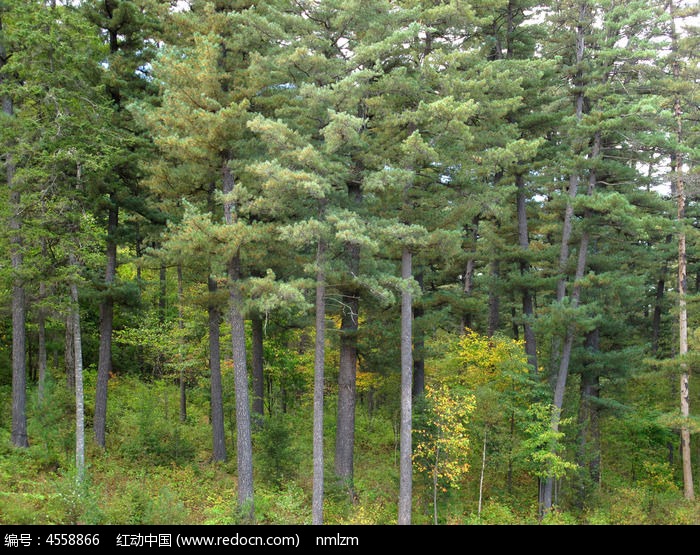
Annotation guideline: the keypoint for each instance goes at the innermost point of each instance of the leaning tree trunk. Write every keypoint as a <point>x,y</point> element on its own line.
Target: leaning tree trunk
<point>561,354</point>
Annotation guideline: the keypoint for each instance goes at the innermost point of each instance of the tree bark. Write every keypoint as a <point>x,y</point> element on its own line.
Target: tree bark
<point>405,441</point>
<point>69,355</point>
<point>104,365</point>
<point>243,425</point>
<point>319,384</point>
<point>19,333</point>
<point>347,372</point>
<point>79,394</point>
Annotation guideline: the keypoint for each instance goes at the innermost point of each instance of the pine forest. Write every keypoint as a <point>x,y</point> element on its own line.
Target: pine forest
<point>349,262</point>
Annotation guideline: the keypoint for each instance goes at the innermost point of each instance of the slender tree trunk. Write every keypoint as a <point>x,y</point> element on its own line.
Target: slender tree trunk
<point>19,364</point>
<point>319,383</point>
<point>688,490</point>
<point>181,328</point>
<point>79,394</point>
<point>481,474</point>
<point>19,332</point>
<point>405,442</point>
<point>41,339</point>
<point>258,366</point>
<point>217,404</point>
<point>563,360</point>
<point>104,364</point>
<point>244,442</point>
<point>69,355</point>
<point>435,484</point>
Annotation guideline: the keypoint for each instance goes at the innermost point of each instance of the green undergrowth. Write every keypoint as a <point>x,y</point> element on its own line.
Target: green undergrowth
<point>157,469</point>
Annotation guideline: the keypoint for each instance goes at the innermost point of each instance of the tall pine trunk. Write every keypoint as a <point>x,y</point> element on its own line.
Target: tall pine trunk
<point>104,364</point>
<point>78,370</point>
<point>19,333</point>
<point>69,355</point>
<point>405,438</point>
<point>677,163</point>
<point>319,384</point>
<point>561,352</point>
<point>244,442</point>
<point>347,373</point>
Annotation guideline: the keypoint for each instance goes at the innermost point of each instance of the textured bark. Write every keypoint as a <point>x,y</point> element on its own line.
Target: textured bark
<point>258,366</point>
<point>244,442</point>
<point>217,405</point>
<point>319,385</point>
<point>69,355</point>
<point>405,440</point>
<point>78,370</point>
<point>19,333</point>
<point>104,365</point>
<point>347,372</point>
<point>688,488</point>
<point>345,429</point>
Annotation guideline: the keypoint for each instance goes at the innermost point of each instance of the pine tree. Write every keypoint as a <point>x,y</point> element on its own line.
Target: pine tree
<point>129,28</point>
